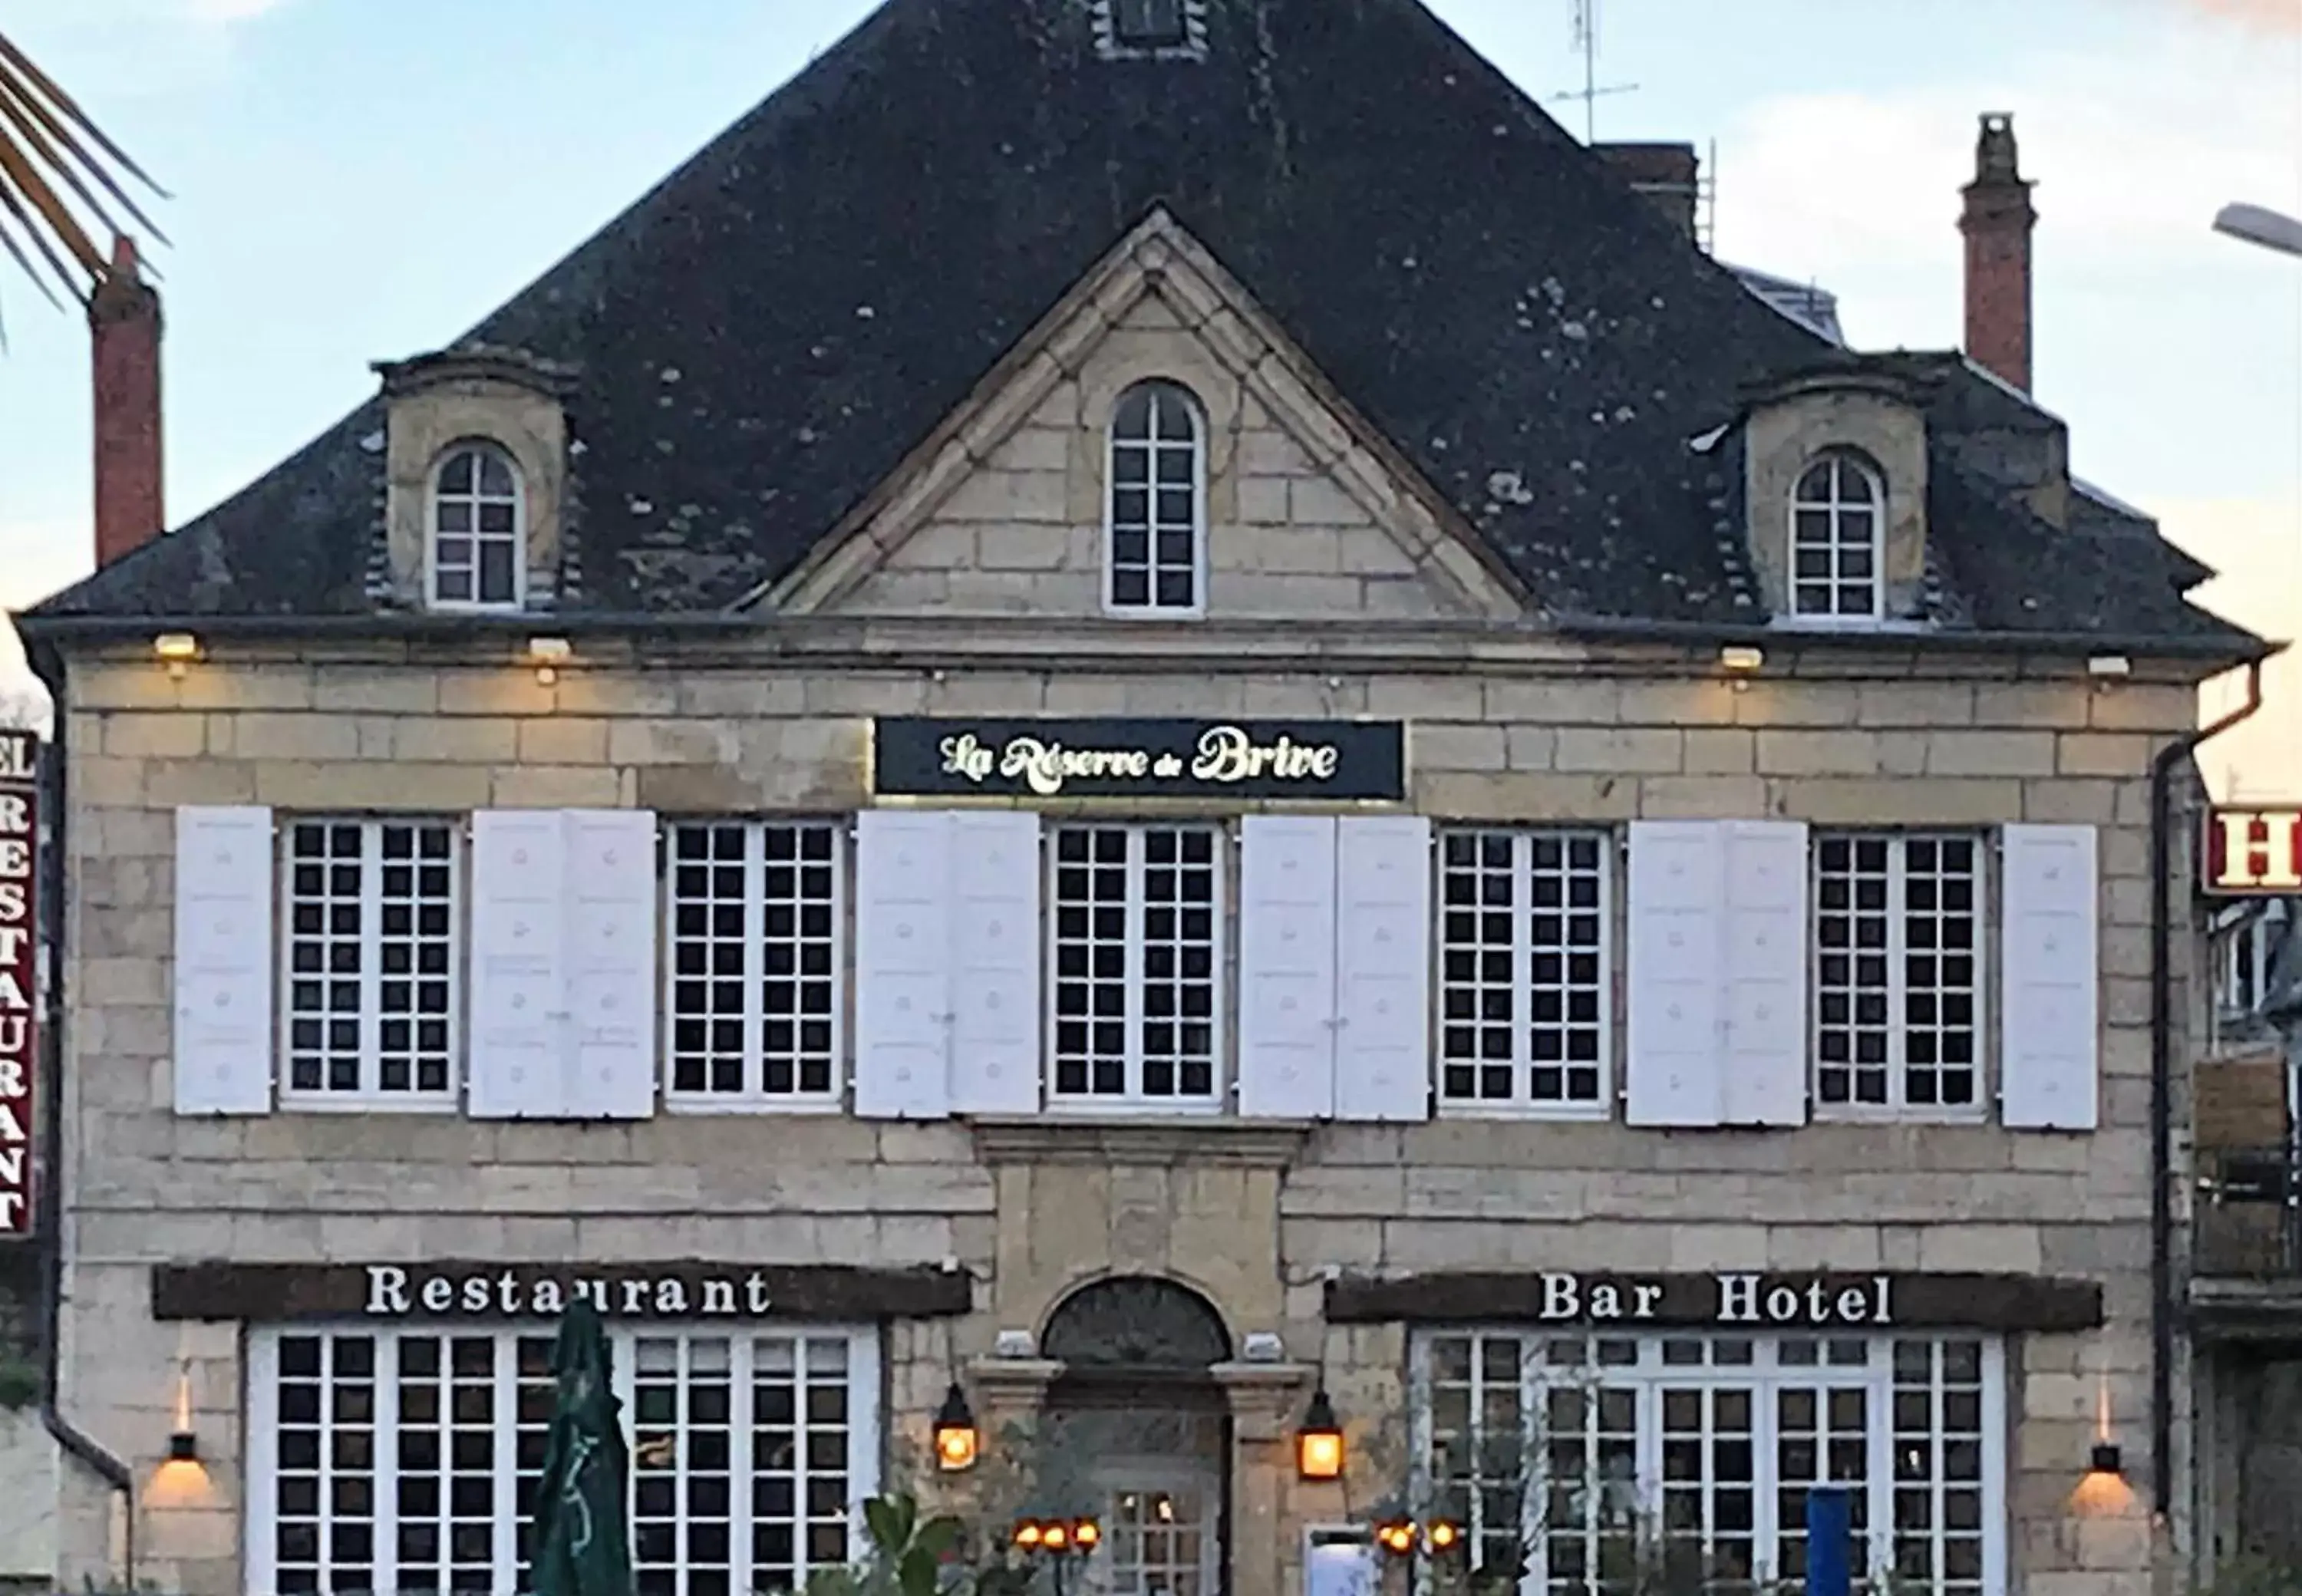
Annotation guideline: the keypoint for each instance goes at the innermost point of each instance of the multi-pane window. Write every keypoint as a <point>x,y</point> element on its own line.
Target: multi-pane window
<point>1136,962</point>
<point>754,998</point>
<point>405,1459</point>
<point>2245,954</point>
<point>371,956</point>
<point>1590,1460</point>
<point>1158,469</point>
<point>1898,972</point>
<point>477,560</point>
<point>1837,525</point>
<point>1523,968</point>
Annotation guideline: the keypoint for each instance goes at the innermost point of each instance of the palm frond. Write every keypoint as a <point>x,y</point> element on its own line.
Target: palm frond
<point>57,168</point>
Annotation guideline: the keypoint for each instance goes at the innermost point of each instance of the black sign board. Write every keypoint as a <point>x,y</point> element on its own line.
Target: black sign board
<point>267,1293</point>
<point>1311,761</point>
<point>1727,1299</point>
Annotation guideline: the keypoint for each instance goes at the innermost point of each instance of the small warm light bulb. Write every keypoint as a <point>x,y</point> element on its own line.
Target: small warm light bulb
<point>176,651</point>
<point>957,1441</point>
<point>1027,1534</point>
<point>548,655</point>
<point>1443,1535</point>
<point>1089,1532</point>
<point>1054,1537</point>
<point>1319,1442</point>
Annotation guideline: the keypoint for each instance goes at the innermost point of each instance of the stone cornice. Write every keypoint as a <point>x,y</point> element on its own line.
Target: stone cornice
<point>927,645</point>
<point>1236,1144</point>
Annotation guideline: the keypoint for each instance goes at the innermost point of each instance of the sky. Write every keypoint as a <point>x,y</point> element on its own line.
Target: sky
<point>359,180</point>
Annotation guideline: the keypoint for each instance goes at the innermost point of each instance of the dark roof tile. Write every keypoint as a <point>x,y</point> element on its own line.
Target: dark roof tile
<point>760,339</point>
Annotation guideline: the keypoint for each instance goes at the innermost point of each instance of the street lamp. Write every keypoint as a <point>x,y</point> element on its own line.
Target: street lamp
<point>2258,225</point>
<point>1057,1542</point>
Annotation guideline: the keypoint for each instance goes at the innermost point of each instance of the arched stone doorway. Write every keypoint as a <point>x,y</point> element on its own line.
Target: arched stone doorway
<point>1136,1427</point>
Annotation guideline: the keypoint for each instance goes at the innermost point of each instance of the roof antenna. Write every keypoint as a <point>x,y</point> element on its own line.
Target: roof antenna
<point>1706,201</point>
<point>1586,39</point>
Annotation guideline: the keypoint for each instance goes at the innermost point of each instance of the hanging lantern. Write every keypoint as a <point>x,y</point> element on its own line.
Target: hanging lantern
<point>957,1441</point>
<point>1319,1442</point>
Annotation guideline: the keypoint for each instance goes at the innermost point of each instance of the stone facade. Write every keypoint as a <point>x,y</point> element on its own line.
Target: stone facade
<point>1538,731</point>
<point>1329,583</point>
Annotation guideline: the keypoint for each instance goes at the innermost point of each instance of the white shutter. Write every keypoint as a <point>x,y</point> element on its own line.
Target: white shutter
<point>2049,979</point>
<point>1287,967</point>
<point>517,1020</point>
<point>1765,963</point>
<point>904,879</point>
<point>1383,967</point>
<point>1678,932</point>
<point>995,962</point>
<point>612,904</point>
<point>225,1043</point>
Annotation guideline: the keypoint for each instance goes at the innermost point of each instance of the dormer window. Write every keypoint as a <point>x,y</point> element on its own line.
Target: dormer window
<point>1155,535</point>
<point>1150,24</point>
<point>1837,541</point>
<point>477,457</point>
<point>478,533</point>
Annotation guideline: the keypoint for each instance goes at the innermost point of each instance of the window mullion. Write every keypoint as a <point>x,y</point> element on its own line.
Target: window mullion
<point>1766,1470</point>
<point>458,949</point>
<point>840,978</point>
<point>742,1466</point>
<point>1222,944</point>
<point>755,959</point>
<point>1522,992</point>
<point>371,947</point>
<point>383,1459</point>
<point>1878,1451</point>
<point>1646,1401</point>
<point>505,1577</point>
<point>623,1348</point>
<point>1603,864</point>
<point>1898,980</point>
<point>1534,1456</point>
<point>1136,963</point>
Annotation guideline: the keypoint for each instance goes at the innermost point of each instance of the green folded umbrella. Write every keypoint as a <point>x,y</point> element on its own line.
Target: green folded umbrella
<point>582,1536</point>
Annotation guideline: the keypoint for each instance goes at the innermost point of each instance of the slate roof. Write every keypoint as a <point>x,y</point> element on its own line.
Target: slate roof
<point>761,338</point>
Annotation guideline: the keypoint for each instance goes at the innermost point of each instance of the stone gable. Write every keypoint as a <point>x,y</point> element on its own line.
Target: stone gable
<point>1005,511</point>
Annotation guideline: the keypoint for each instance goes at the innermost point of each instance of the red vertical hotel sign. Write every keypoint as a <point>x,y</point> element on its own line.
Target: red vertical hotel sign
<point>20,974</point>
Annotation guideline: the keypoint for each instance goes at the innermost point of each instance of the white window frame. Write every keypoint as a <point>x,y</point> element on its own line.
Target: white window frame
<point>2242,971</point>
<point>485,447</point>
<point>753,1098</point>
<point>370,1098</point>
<point>1648,1376</point>
<point>1520,1103</point>
<point>1223,841</point>
<point>1840,510</point>
<point>1897,1106</point>
<point>1177,39</point>
<point>1158,388</point>
<point>866,1428</point>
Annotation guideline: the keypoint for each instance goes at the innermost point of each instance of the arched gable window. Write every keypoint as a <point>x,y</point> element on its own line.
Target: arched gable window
<point>478,530</point>
<point>1838,531</point>
<point>1155,560</point>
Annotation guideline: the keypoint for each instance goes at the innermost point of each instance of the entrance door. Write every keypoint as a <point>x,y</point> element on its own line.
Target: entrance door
<point>1162,1533</point>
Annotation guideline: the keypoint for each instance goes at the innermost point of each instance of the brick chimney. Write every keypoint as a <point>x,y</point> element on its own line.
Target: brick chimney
<point>123,323</point>
<point>1997,223</point>
<point>1664,174</point>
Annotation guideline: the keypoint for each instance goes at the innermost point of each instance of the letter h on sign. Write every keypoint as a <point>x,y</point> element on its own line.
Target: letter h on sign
<point>2252,853</point>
